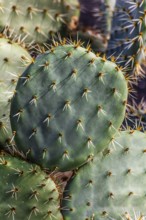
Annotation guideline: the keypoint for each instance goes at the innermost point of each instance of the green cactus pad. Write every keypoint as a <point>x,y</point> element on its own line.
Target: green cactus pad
<point>33,20</point>
<point>71,7</point>
<point>13,60</point>
<point>68,105</point>
<point>26,192</point>
<point>112,186</point>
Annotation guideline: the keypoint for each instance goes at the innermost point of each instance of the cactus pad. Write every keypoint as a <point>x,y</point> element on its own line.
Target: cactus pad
<point>112,186</point>
<point>68,105</point>
<point>33,20</point>
<point>26,192</point>
<point>13,60</point>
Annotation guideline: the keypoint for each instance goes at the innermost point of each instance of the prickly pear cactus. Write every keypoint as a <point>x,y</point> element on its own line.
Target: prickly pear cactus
<point>68,105</point>
<point>33,20</point>
<point>13,60</point>
<point>26,192</point>
<point>112,185</point>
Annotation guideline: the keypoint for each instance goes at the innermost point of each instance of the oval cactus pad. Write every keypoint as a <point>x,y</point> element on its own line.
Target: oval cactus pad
<point>112,185</point>
<point>26,192</point>
<point>68,105</point>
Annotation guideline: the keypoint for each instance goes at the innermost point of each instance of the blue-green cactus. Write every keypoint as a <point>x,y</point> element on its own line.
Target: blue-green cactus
<point>68,105</point>
<point>112,185</point>
<point>121,25</point>
<point>96,18</point>
<point>128,35</point>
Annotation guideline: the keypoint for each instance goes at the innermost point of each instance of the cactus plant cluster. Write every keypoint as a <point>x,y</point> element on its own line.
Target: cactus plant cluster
<point>66,110</point>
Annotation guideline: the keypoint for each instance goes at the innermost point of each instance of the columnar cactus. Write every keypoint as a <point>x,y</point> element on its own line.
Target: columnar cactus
<point>112,185</point>
<point>96,17</point>
<point>68,105</point>
<point>94,24</point>
<point>13,60</point>
<point>26,192</point>
<point>128,36</point>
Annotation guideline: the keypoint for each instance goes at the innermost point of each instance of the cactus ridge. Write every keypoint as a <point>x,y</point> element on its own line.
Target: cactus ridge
<point>26,191</point>
<point>68,105</point>
<point>13,60</point>
<point>112,185</point>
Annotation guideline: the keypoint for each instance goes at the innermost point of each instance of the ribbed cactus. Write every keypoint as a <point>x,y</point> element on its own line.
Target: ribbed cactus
<point>13,60</point>
<point>128,37</point>
<point>119,26</point>
<point>68,105</point>
<point>94,24</point>
<point>112,185</point>
<point>96,17</point>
